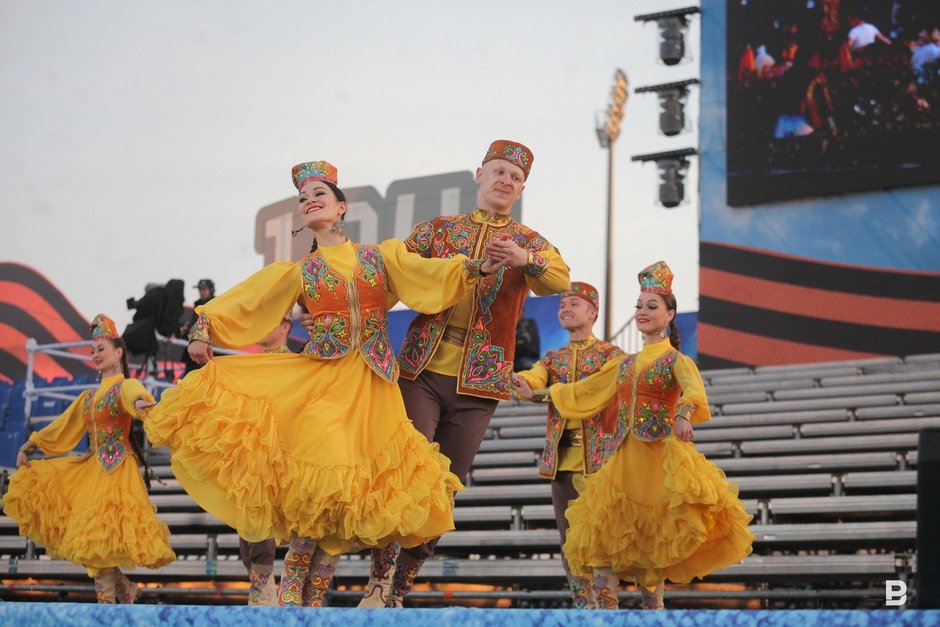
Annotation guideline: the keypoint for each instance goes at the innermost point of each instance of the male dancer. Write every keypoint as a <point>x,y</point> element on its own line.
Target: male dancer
<point>258,557</point>
<point>578,447</point>
<point>456,364</point>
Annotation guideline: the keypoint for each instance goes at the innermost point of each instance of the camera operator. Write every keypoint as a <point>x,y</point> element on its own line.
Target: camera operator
<point>159,310</point>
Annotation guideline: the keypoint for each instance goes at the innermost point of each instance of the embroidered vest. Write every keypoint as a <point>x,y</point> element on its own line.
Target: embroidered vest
<point>647,399</point>
<point>108,427</point>
<point>490,345</point>
<point>349,315</point>
<point>568,365</point>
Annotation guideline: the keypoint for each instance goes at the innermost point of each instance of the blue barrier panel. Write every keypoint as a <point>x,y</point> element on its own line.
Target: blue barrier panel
<point>58,614</point>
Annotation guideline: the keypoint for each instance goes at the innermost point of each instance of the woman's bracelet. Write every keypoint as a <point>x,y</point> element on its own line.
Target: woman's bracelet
<point>474,268</point>
<point>541,396</point>
<point>200,330</point>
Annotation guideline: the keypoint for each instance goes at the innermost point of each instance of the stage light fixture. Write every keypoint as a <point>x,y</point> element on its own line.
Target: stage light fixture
<point>673,166</point>
<point>672,100</point>
<point>672,26</point>
<point>608,126</point>
<point>671,190</point>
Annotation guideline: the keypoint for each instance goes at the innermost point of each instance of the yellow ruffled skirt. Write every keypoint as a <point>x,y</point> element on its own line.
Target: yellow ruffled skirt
<point>657,511</point>
<point>274,444</point>
<point>81,513</point>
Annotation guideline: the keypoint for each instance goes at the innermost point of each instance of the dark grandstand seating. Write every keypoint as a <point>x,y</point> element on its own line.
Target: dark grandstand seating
<point>824,455</point>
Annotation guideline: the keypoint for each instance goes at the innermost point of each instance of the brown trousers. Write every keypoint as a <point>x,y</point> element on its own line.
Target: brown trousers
<point>256,552</point>
<point>456,422</point>
<point>563,492</point>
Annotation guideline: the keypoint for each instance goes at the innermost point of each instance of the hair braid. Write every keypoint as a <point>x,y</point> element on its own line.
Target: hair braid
<point>674,339</point>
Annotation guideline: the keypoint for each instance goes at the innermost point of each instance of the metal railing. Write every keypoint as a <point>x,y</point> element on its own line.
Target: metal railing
<point>152,383</point>
<point>70,391</point>
<point>628,337</point>
<point>31,392</point>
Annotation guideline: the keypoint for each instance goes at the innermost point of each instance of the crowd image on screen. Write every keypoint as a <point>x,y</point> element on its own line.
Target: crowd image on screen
<point>832,85</point>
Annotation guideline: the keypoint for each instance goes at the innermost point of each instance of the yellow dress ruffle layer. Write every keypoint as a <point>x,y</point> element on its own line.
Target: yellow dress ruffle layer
<point>87,516</point>
<point>278,443</point>
<point>657,511</point>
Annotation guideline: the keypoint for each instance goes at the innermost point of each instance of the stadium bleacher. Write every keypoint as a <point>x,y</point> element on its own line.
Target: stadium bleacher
<point>824,455</point>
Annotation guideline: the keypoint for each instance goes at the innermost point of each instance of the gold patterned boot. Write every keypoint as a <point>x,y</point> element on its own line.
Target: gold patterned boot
<point>582,593</point>
<point>261,588</point>
<point>653,600</point>
<point>404,579</point>
<point>296,568</point>
<point>322,568</point>
<point>126,591</point>
<point>104,585</point>
<point>380,576</point>
<point>606,588</point>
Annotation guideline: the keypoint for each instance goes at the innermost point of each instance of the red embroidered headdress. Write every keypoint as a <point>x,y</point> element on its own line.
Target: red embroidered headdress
<point>583,290</point>
<point>314,171</point>
<point>510,151</point>
<point>103,328</point>
<point>656,278</point>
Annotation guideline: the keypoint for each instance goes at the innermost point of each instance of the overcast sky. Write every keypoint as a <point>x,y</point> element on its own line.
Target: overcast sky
<point>139,140</point>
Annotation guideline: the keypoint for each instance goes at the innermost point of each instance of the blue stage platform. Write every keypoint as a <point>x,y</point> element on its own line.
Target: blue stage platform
<point>63,614</point>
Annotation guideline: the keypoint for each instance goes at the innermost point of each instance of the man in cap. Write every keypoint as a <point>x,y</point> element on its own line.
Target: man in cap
<point>579,446</point>
<point>206,291</point>
<point>456,364</point>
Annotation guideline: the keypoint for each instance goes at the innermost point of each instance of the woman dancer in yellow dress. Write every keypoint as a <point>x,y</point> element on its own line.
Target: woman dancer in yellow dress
<point>93,509</point>
<point>657,509</point>
<point>315,447</point>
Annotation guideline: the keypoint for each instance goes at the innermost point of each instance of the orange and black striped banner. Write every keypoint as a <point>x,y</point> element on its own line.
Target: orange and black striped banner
<point>32,307</point>
<point>759,308</point>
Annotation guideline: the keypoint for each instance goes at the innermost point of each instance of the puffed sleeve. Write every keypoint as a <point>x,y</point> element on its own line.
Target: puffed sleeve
<point>427,285</point>
<point>536,376</point>
<point>419,241</point>
<point>247,312</point>
<point>131,390</point>
<point>547,273</point>
<point>693,404</point>
<point>62,434</point>
<point>587,397</point>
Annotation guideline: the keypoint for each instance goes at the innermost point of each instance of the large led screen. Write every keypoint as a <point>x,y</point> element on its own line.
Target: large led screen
<point>831,96</point>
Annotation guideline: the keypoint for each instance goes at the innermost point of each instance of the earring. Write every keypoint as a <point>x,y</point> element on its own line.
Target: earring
<point>662,332</point>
